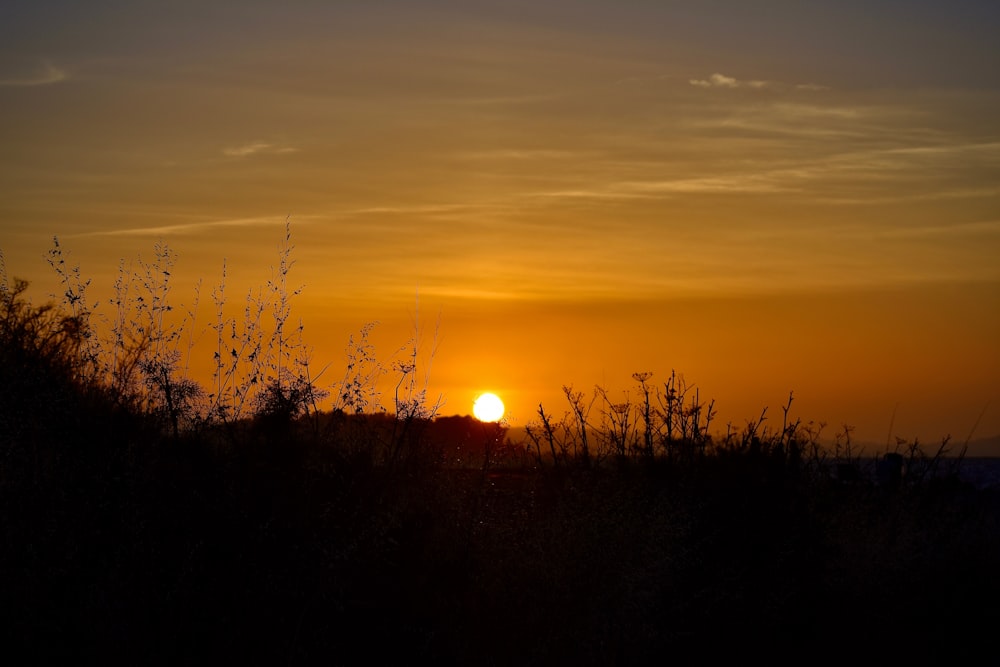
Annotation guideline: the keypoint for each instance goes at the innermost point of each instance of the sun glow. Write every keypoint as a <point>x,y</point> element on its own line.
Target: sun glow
<point>488,408</point>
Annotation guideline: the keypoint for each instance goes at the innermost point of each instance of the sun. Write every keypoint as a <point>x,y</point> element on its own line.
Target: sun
<point>488,408</point>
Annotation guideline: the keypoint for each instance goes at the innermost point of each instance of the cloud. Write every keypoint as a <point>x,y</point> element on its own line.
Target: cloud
<point>187,227</point>
<point>415,209</point>
<point>45,75</point>
<point>762,183</point>
<point>597,192</point>
<point>976,228</point>
<point>812,111</point>
<point>520,154</point>
<point>722,81</point>
<point>933,195</point>
<point>733,184</point>
<point>829,167</point>
<point>256,147</point>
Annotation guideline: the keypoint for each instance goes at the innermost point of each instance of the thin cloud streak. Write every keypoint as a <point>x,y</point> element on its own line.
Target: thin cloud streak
<point>255,148</point>
<point>718,80</point>
<point>981,228</point>
<point>741,183</point>
<point>523,154</point>
<point>187,228</point>
<point>722,81</point>
<point>881,167</point>
<point>47,75</point>
<point>957,193</point>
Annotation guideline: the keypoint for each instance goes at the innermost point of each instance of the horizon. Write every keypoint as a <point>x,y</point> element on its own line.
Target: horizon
<point>800,200</point>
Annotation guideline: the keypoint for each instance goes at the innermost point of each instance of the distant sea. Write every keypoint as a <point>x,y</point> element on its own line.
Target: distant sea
<point>982,472</point>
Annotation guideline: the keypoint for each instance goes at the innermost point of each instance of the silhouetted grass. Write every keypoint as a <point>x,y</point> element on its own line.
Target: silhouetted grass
<point>146,520</point>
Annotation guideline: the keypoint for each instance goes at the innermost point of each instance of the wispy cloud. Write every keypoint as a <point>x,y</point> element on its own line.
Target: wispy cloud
<point>722,81</point>
<point>497,100</point>
<point>415,209</point>
<point>977,228</point>
<point>521,154</point>
<point>46,74</point>
<point>769,182</point>
<point>597,192</point>
<point>861,176</point>
<point>188,227</point>
<point>255,148</point>
<point>737,183</point>
<point>933,195</point>
<point>812,111</point>
<point>985,147</point>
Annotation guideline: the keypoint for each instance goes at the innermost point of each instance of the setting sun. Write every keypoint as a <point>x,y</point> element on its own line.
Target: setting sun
<point>488,408</point>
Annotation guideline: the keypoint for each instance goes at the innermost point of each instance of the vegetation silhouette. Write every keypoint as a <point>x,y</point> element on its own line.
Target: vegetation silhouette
<point>148,520</point>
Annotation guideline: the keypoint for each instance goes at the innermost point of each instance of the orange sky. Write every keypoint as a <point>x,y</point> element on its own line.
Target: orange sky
<point>799,200</point>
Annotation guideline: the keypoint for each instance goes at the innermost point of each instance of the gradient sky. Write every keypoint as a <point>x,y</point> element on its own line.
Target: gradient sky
<point>803,196</point>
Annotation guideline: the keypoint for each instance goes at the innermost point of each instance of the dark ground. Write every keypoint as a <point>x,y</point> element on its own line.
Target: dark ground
<point>182,554</point>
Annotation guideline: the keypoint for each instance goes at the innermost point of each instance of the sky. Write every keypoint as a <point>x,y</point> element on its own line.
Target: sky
<point>790,197</point>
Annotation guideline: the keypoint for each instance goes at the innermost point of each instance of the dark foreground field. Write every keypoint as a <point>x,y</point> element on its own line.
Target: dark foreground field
<point>181,552</point>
